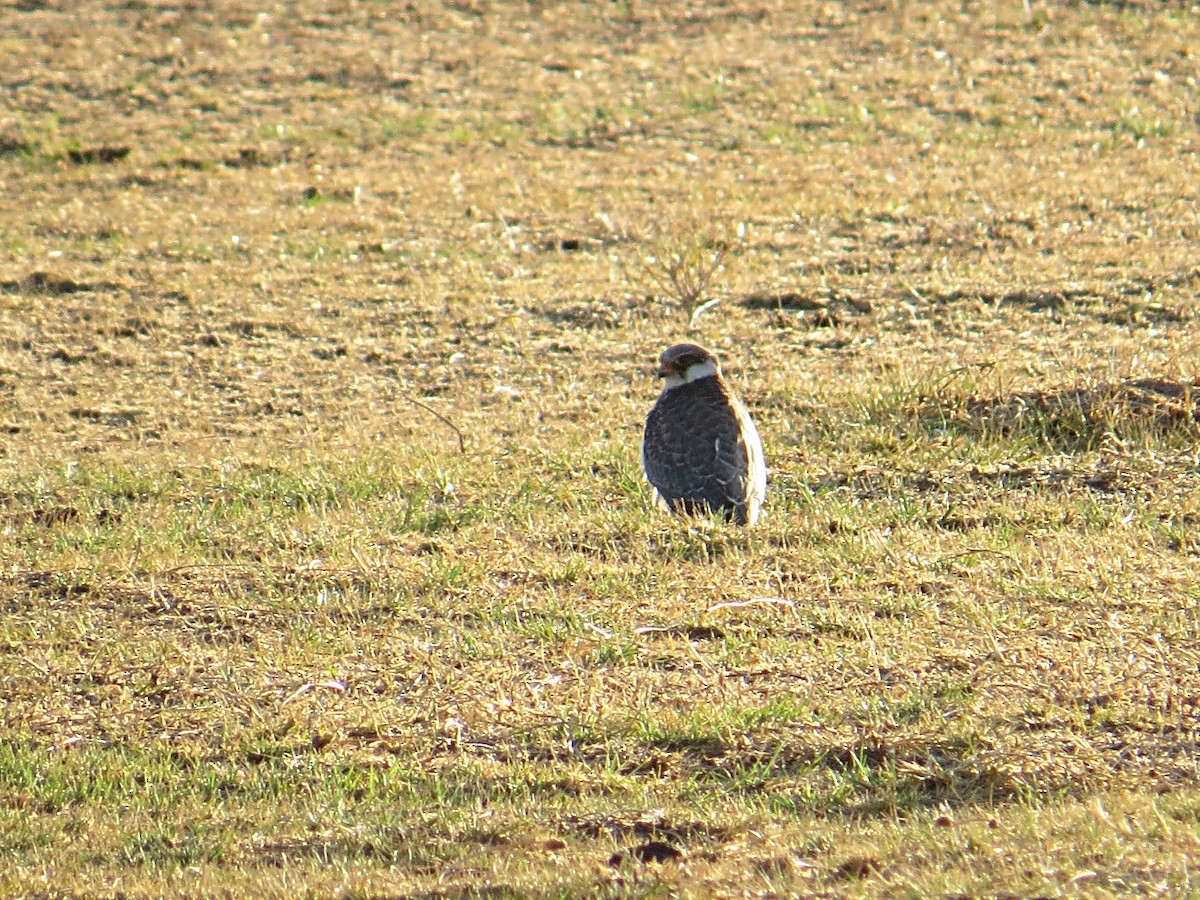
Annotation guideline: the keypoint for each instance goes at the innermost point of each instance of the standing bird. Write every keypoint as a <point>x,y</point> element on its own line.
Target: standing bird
<point>701,451</point>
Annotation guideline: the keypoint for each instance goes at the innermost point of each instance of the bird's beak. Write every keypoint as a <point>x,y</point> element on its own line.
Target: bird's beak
<point>663,372</point>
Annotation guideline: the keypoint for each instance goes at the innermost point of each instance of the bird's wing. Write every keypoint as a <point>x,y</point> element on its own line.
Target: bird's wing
<point>694,452</point>
<point>756,461</point>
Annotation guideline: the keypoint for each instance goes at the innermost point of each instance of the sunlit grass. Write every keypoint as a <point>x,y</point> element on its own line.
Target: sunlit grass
<point>327,567</point>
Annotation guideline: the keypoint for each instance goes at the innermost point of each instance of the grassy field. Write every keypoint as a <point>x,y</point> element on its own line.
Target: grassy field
<point>326,339</point>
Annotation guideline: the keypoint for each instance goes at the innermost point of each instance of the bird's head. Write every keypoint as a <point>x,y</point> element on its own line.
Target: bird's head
<point>686,362</point>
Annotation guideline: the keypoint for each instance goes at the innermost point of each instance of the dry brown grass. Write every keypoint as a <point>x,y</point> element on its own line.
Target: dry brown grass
<point>325,346</point>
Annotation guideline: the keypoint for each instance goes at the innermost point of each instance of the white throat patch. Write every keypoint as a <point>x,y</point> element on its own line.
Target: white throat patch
<point>694,372</point>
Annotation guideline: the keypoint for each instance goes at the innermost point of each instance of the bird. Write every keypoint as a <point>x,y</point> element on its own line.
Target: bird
<point>700,450</point>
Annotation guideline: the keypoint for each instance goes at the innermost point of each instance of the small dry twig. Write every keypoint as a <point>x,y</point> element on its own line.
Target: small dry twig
<point>462,441</point>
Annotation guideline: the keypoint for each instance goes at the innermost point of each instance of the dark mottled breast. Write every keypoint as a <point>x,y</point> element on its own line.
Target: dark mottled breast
<point>693,451</point>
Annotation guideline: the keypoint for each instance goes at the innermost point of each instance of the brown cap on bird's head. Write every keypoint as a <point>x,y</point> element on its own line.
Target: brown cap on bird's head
<point>678,359</point>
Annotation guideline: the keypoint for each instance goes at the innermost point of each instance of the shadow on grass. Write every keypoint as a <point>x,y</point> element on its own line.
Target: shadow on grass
<point>1088,414</point>
<point>1133,303</point>
<point>1071,419</point>
<point>859,778</point>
